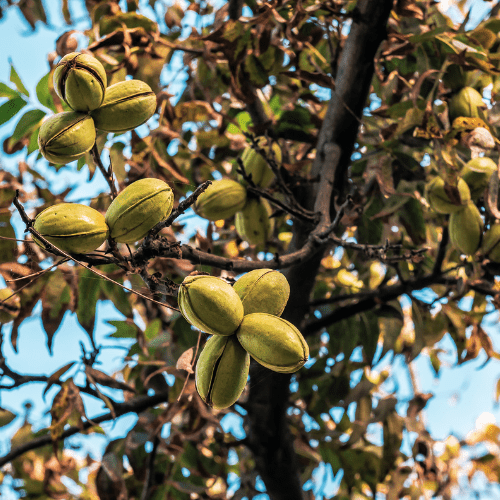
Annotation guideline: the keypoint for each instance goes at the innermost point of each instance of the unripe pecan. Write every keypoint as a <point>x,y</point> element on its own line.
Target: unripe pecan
<point>264,291</point>
<point>256,165</point>
<point>254,223</point>
<point>222,371</point>
<point>439,199</point>
<point>210,304</point>
<point>126,105</point>
<point>476,173</point>
<point>65,137</point>
<point>72,227</point>
<point>221,200</point>
<point>273,342</point>
<point>466,228</point>
<point>80,80</point>
<point>138,208</point>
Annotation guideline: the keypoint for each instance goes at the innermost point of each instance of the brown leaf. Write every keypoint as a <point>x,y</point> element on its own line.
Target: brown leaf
<point>417,404</point>
<point>102,378</point>
<point>185,361</point>
<point>478,141</point>
<point>492,196</point>
<point>66,43</point>
<point>408,8</point>
<point>55,377</point>
<point>67,408</point>
<point>55,299</point>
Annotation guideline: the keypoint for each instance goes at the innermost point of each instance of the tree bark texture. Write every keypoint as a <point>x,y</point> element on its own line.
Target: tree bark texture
<point>268,435</point>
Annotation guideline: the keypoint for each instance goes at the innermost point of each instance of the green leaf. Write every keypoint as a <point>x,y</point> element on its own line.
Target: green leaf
<point>297,119</point>
<point>124,329</point>
<point>66,13</point>
<point>244,121</point>
<point>27,123</point>
<point>10,108</point>
<point>16,80</point>
<point>33,143</point>
<point>43,93</point>
<point>89,286</point>
<point>256,72</point>
<point>153,329</point>
<point>6,91</point>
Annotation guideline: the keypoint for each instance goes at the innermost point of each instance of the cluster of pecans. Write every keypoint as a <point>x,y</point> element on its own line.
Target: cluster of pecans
<point>227,197</point>
<point>245,322</point>
<point>245,319</point>
<point>466,226</point>
<point>79,229</point>
<point>80,80</point>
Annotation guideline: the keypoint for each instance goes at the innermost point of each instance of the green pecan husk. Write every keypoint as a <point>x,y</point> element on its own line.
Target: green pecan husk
<point>138,208</point>
<point>273,342</point>
<point>65,137</point>
<point>221,200</point>
<point>80,80</point>
<point>72,227</point>
<point>222,371</point>
<point>210,304</point>
<point>264,291</point>
<point>126,105</point>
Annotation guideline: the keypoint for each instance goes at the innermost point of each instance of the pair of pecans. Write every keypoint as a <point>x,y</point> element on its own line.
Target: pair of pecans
<point>226,198</point>
<point>79,229</point>
<point>80,80</point>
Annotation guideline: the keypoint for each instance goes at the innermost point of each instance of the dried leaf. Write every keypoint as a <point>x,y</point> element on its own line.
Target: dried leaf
<point>102,378</point>
<point>55,376</point>
<point>6,417</point>
<point>185,361</point>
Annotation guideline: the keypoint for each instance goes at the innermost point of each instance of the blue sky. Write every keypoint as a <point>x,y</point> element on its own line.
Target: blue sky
<point>462,393</point>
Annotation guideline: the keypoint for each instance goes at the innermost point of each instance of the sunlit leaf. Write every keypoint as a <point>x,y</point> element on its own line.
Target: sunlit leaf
<point>10,108</point>
<point>16,80</point>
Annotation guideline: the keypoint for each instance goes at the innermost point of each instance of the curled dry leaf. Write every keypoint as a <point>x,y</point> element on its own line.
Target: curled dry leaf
<point>478,141</point>
<point>185,361</point>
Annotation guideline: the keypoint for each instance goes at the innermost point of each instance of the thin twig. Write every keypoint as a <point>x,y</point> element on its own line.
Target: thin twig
<point>181,208</point>
<point>148,483</point>
<point>38,273</point>
<point>108,174</point>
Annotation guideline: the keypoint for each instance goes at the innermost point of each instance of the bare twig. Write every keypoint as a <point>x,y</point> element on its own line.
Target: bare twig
<point>108,174</point>
<point>181,208</point>
<point>38,273</point>
<point>148,483</point>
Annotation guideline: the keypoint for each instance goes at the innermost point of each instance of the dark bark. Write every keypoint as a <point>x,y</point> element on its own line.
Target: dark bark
<point>268,436</point>
<point>352,83</point>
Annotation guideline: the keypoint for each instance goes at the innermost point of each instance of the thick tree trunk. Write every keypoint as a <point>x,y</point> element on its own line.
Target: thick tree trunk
<point>268,436</point>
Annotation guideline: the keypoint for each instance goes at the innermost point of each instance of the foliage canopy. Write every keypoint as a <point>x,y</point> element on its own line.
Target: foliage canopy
<point>358,96</point>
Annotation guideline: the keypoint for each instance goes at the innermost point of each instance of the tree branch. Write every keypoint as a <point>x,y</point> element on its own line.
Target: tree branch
<point>136,405</point>
<point>268,435</point>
